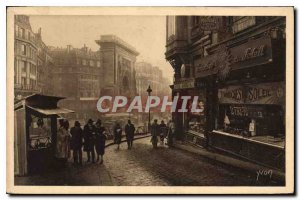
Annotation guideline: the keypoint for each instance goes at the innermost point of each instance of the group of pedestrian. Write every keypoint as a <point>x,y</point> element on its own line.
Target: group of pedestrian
<point>129,133</point>
<point>94,140</point>
<point>92,137</point>
<point>163,131</point>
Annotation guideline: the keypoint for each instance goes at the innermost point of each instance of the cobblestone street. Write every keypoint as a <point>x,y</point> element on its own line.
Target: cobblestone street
<point>145,166</point>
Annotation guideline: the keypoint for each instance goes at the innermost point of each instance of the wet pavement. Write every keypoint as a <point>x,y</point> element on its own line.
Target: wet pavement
<point>145,166</point>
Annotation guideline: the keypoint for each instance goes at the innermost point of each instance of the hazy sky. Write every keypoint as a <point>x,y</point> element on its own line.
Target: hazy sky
<point>146,33</point>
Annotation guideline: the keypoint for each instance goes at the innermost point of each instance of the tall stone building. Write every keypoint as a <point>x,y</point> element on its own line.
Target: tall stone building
<point>77,76</point>
<point>25,62</point>
<point>33,64</point>
<point>118,62</point>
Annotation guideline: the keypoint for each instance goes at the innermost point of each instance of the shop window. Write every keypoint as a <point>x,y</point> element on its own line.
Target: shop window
<point>251,120</point>
<point>84,62</point>
<point>197,120</point>
<point>39,133</point>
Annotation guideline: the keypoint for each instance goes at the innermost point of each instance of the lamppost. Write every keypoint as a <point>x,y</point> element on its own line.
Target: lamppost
<point>149,90</point>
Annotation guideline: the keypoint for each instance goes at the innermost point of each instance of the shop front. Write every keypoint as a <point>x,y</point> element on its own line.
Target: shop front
<point>249,99</point>
<point>250,123</point>
<point>192,124</point>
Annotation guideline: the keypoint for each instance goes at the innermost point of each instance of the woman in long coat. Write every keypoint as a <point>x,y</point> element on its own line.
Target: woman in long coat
<point>118,134</point>
<point>100,140</point>
<point>62,146</point>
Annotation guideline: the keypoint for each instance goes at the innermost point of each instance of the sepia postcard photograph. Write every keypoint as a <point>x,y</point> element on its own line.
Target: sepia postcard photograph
<point>150,100</point>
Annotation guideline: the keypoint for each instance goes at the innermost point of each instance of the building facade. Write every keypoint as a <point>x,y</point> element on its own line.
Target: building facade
<point>25,58</point>
<point>77,75</point>
<point>118,61</point>
<point>33,64</point>
<point>236,65</point>
<point>45,66</point>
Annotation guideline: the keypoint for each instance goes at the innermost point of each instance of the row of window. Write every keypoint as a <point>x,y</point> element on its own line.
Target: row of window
<point>24,33</point>
<point>89,77</point>
<point>92,63</point>
<point>26,50</point>
<point>81,69</point>
<point>23,66</point>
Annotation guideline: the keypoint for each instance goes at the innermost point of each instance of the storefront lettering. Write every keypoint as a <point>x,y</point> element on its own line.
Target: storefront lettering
<point>235,57</point>
<point>266,93</point>
<point>258,93</point>
<point>243,111</point>
<point>249,53</point>
<point>236,94</point>
<point>185,84</point>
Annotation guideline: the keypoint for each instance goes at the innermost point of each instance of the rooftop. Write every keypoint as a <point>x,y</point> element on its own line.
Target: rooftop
<point>118,41</point>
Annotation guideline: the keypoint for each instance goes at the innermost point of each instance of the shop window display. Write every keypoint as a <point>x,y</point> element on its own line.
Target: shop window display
<point>39,133</point>
<point>252,120</point>
<point>197,120</point>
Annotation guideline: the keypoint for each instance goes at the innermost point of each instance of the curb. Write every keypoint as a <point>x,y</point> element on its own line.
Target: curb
<point>248,166</point>
<point>136,138</point>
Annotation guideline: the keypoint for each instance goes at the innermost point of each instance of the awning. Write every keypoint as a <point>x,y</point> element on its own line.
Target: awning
<point>52,111</point>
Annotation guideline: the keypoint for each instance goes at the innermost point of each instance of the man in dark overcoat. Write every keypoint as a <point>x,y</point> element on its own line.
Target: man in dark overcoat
<point>129,132</point>
<point>89,133</point>
<point>76,142</point>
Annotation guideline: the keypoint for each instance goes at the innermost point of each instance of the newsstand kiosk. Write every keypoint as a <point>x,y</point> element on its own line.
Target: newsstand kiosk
<point>35,133</point>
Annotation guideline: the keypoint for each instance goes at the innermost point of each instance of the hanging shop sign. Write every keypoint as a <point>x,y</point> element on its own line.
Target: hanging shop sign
<point>265,93</point>
<point>189,83</point>
<point>251,53</point>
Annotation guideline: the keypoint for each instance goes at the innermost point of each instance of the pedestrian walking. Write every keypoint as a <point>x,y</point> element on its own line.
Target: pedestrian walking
<point>129,131</point>
<point>100,140</point>
<point>89,136</point>
<point>76,142</point>
<point>118,134</point>
<point>171,130</point>
<point>62,143</point>
<point>162,129</point>
<point>154,133</point>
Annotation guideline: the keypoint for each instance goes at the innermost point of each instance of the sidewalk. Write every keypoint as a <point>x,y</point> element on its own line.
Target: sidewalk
<point>88,174</point>
<point>235,162</point>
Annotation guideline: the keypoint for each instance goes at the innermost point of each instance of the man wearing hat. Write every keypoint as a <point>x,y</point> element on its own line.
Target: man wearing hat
<point>76,142</point>
<point>129,131</point>
<point>89,134</point>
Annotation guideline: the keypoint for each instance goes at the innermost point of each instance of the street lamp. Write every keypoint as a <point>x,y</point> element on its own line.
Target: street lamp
<point>149,90</point>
